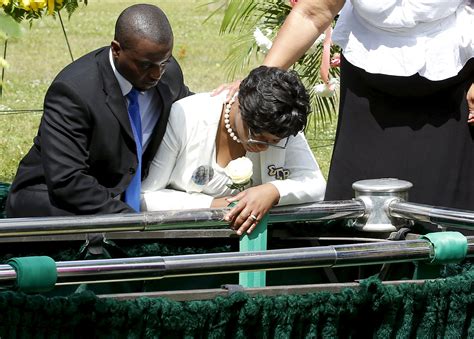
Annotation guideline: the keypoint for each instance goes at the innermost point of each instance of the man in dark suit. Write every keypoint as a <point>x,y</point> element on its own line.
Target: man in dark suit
<point>85,153</point>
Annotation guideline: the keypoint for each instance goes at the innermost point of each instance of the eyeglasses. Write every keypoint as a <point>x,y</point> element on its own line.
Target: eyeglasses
<point>252,141</point>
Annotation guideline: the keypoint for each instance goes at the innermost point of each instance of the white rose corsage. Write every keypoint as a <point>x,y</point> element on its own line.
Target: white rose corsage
<point>240,172</point>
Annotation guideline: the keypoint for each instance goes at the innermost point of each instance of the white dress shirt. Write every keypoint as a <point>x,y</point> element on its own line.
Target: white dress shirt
<point>148,101</point>
<point>433,38</point>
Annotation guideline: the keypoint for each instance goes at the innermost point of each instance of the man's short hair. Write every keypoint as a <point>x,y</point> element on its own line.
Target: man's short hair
<point>142,21</point>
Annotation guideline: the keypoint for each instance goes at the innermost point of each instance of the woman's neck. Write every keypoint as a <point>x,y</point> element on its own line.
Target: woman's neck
<point>227,148</point>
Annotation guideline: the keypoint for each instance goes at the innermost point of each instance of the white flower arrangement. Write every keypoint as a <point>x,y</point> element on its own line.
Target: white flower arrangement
<point>240,172</point>
<point>327,90</point>
<point>262,40</point>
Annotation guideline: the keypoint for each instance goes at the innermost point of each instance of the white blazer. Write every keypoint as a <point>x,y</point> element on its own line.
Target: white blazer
<point>189,143</point>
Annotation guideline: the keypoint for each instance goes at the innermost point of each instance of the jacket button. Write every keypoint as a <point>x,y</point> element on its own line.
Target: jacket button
<point>131,170</point>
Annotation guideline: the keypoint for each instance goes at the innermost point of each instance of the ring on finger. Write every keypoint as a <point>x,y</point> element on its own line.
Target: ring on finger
<point>253,217</point>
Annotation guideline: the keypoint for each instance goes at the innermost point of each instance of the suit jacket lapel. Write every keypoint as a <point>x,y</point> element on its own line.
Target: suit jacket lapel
<point>113,94</point>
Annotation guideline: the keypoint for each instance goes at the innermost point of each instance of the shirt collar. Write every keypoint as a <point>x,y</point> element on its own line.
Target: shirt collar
<point>125,85</point>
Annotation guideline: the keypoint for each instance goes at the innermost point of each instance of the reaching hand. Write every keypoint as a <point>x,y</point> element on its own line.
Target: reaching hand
<point>253,204</point>
<point>232,87</point>
<point>220,202</point>
<point>470,104</point>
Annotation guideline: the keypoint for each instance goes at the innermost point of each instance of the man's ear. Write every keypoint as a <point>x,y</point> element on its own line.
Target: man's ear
<point>116,49</point>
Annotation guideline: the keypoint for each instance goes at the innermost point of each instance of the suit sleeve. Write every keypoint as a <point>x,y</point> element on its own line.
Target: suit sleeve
<point>155,195</point>
<point>174,78</point>
<point>65,131</point>
<point>305,182</point>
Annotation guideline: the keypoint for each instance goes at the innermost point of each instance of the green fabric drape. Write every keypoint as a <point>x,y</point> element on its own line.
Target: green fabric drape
<point>437,309</point>
<point>34,274</point>
<point>449,247</point>
<point>4,188</point>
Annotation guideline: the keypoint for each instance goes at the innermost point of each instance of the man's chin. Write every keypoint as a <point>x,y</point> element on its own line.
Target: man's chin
<point>148,85</point>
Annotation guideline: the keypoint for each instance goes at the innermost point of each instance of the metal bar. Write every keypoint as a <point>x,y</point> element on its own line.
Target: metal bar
<point>205,233</point>
<point>335,238</point>
<point>319,211</point>
<point>383,252</point>
<point>180,219</point>
<point>463,219</point>
<point>208,294</point>
<point>107,270</point>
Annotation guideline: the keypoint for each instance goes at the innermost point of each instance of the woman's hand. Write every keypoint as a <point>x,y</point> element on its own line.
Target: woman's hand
<point>220,202</point>
<point>470,104</point>
<point>253,204</point>
<point>232,87</point>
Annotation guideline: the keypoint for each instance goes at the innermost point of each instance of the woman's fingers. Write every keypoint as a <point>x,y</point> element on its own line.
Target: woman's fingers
<point>242,219</point>
<point>232,87</point>
<point>470,104</point>
<point>236,213</point>
<point>237,209</point>
<point>470,119</point>
<point>253,222</point>
<point>249,224</point>
<point>219,89</point>
<point>236,197</point>
<point>239,218</point>
<point>245,221</point>
<point>252,206</point>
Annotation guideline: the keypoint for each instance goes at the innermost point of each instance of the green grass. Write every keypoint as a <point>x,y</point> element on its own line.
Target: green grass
<point>41,53</point>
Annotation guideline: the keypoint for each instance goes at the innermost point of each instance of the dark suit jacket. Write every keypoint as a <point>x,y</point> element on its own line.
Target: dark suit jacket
<point>84,155</point>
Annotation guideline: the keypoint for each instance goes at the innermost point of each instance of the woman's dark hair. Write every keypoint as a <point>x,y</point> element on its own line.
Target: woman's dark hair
<point>274,101</point>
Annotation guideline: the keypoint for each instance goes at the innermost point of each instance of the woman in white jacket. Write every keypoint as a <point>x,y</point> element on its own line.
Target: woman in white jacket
<point>263,123</point>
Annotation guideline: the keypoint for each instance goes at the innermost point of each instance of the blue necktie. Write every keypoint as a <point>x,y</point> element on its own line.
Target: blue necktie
<point>132,193</point>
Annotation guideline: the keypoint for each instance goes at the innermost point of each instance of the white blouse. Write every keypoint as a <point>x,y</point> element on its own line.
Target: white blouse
<point>184,173</point>
<point>434,38</point>
<point>218,185</point>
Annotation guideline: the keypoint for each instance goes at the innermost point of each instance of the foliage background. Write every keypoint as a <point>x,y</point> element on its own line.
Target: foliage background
<point>246,17</point>
<point>42,52</point>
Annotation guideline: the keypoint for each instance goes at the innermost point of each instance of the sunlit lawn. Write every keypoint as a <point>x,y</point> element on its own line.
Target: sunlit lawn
<point>42,52</point>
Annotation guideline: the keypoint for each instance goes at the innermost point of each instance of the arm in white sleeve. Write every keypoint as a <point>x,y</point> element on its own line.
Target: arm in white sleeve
<point>305,182</point>
<point>164,162</point>
<point>155,195</point>
<point>170,199</point>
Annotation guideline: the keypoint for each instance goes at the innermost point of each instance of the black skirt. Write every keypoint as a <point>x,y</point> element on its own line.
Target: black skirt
<point>408,128</point>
